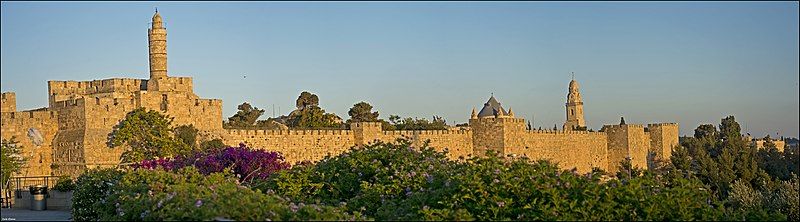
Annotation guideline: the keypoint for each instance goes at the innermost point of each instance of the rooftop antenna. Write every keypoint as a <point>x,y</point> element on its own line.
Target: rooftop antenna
<point>156,9</point>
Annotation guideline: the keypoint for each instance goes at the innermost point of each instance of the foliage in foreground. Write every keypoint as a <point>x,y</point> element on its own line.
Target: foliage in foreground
<point>245,162</point>
<point>92,189</point>
<point>187,194</point>
<point>148,134</point>
<point>64,184</point>
<point>753,184</point>
<point>11,160</point>
<point>399,182</point>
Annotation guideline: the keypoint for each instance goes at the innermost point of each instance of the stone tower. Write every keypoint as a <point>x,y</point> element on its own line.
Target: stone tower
<point>157,36</point>
<point>574,110</point>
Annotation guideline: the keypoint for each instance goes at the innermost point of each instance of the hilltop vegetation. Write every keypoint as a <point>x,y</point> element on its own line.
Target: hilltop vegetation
<point>308,115</point>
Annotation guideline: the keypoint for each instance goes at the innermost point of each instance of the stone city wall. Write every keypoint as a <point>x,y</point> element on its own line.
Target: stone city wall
<point>457,143</point>
<point>8,102</point>
<point>34,132</point>
<point>627,141</point>
<point>295,145</point>
<point>68,145</point>
<point>313,145</point>
<point>663,139</point>
<point>171,84</point>
<point>115,88</point>
<point>570,149</point>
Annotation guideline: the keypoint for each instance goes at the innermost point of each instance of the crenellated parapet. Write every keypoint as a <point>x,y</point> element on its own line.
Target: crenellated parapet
<point>663,139</point>
<point>249,132</point>
<point>8,102</point>
<point>34,131</point>
<point>115,88</point>
<point>171,84</point>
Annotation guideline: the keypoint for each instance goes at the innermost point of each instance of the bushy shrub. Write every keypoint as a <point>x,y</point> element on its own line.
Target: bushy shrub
<point>64,184</point>
<point>398,182</point>
<point>187,194</point>
<point>245,162</point>
<point>90,193</point>
<point>364,178</point>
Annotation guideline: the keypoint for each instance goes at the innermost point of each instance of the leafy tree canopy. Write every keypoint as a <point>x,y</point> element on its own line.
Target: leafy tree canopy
<point>246,116</point>
<point>362,112</point>
<point>11,158</point>
<point>408,123</point>
<point>313,117</point>
<point>306,100</point>
<point>147,134</point>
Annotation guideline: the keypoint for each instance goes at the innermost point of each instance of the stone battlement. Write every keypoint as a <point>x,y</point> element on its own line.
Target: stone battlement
<point>557,132</point>
<point>500,119</point>
<point>96,86</point>
<point>22,116</point>
<point>425,132</point>
<point>208,102</point>
<point>8,102</point>
<point>662,124</point>
<point>241,132</point>
<point>366,124</point>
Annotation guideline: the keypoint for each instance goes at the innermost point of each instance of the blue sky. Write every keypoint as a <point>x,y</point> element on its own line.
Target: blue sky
<point>682,62</point>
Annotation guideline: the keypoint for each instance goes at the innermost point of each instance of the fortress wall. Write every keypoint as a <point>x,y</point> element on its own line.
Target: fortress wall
<point>295,145</point>
<point>570,149</point>
<point>780,145</point>
<point>490,133</point>
<point>206,114</point>
<point>69,142</point>
<point>457,143</point>
<point>171,84</point>
<point>106,114</point>
<point>8,102</point>
<point>22,126</point>
<point>185,108</point>
<point>625,141</point>
<point>66,90</point>
<point>663,138</point>
<point>313,145</point>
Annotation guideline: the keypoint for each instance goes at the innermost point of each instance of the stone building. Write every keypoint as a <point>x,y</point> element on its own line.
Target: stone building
<point>71,134</point>
<point>81,114</point>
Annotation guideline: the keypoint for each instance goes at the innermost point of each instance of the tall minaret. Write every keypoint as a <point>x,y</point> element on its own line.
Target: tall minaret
<point>575,118</point>
<point>157,36</point>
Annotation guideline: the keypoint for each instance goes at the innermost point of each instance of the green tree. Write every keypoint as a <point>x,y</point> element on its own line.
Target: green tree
<point>408,123</point>
<point>270,124</point>
<point>313,117</point>
<point>246,116</point>
<point>306,100</point>
<point>706,131</point>
<point>147,135</point>
<point>212,144</point>
<point>187,134</point>
<point>362,112</point>
<point>12,160</point>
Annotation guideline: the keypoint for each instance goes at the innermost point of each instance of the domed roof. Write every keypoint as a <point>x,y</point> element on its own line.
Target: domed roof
<point>156,17</point>
<point>573,84</point>
<point>492,107</point>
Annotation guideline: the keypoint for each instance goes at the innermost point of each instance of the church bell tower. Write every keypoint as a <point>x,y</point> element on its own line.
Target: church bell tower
<point>575,120</point>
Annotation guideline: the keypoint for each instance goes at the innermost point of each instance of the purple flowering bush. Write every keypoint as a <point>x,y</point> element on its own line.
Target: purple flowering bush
<point>367,179</point>
<point>247,163</point>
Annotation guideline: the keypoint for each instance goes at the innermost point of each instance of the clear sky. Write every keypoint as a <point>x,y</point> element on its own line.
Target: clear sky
<point>682,62</point>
